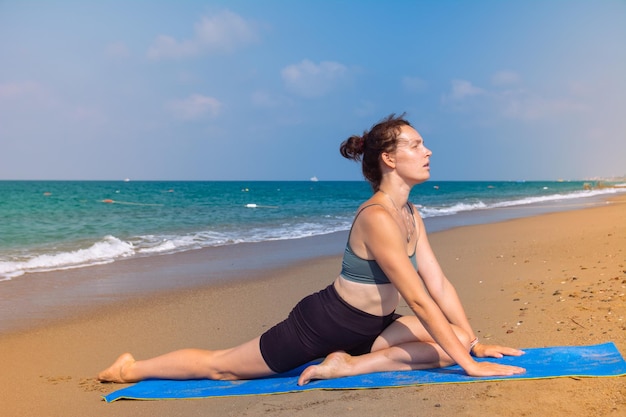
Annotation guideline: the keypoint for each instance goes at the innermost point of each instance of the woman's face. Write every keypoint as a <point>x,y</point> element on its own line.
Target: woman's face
<point>412,156</point>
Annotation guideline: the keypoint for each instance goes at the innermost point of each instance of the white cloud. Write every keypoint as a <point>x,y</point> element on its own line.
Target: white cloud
<point>117,50</point>
<point>223,32</point>
<point>511,103</point>
<point>366,108</point>
<point>20,89</point>
<point>88,115</point>
<point>414,84</point>
<point>24,101</point>
<point>168,47</point>
<point>524,106</point>
<point>310,80</point>
<point>29,96</point>
<point>581,89</point>
<point>195,107</point>
<point>462,89</point>
<point>502,78</point>
<point>264,99</point>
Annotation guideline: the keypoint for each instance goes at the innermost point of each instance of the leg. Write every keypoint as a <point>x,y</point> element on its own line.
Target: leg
<point>242,362</point>
<point>409,330</point>
<point>404,345</point>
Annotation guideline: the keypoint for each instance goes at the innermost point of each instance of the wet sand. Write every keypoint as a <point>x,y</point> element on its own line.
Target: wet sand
<point>552,279</point>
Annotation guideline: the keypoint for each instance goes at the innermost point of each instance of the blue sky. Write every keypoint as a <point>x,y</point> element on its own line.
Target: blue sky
<point>267,90</point>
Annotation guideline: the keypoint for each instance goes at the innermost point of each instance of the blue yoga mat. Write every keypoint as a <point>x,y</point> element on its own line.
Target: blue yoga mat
<point>551,362</point>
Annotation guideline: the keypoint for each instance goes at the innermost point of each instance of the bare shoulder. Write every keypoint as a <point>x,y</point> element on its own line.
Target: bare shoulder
<point>375,226</point>
<point>371,214</point>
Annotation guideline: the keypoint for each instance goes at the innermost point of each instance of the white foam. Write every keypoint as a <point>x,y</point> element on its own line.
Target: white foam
<point>111,248</point>
<point>104,251</point>
<point>453,209</point>
<point>427,211</point>
<point>152,245</point>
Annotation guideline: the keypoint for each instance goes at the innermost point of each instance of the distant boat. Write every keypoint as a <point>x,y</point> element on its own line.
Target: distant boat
<point>126,179</point>
<point>314,179</point>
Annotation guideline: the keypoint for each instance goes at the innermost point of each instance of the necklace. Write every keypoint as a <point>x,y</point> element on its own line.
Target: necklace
<point>405,219</point>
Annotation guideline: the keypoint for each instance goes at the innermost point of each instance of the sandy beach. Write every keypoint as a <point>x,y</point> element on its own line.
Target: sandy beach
<point>549,280</point>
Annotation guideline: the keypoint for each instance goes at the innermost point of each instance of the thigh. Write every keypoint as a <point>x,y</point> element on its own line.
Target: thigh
<point>406,329</point>
<point>409,329</point>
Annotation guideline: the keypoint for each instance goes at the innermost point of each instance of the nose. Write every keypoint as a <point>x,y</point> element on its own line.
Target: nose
<point>427,151</point>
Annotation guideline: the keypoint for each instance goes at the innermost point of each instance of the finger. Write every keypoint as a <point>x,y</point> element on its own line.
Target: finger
<point>517,370</point>
<point>494,369</point>
<point>508,351</point>
<point>513,352</point>
<point>511,370</point>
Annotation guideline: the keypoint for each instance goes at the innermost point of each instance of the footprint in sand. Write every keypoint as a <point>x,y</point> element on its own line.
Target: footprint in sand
<point>54,380</point>
<point>91,385</point>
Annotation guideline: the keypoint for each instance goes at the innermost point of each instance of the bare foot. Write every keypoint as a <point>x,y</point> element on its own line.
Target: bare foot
<point>115,372</point>
<point>334,366</point>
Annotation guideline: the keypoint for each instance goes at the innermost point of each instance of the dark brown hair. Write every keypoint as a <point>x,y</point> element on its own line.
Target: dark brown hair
<point>382,137</point>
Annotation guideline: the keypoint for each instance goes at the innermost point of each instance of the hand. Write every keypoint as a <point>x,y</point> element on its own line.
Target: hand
<point>494,351</point>
<point>493,369</point>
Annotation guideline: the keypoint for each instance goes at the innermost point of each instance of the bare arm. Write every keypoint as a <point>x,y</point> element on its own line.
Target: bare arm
<point>388,247</point>
<point>447,298</point>
<point>385,242</point>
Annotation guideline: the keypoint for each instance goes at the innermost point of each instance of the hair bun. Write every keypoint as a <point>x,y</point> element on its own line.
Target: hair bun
<point>368,147</point>
<point>359,144</point>
<point>353,147</point>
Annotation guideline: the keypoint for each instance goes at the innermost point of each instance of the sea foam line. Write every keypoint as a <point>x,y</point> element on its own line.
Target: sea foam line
<point>104,251</point>
<point>111,248</point>
<point>456,208</point>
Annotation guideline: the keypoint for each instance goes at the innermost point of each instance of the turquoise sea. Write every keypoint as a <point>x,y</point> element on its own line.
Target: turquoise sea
<point>55,225</point>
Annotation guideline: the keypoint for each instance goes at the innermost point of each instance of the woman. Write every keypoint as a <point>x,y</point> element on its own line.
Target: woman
<point>352,323</point>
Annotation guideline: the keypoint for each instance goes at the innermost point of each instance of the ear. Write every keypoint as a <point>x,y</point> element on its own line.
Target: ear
<point>388,159</point>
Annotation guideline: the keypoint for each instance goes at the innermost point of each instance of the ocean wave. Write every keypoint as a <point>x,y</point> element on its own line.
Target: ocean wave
<point>427,211</point>
<point>435,211</point>
<point>111,248</point>
<point>104,251</point>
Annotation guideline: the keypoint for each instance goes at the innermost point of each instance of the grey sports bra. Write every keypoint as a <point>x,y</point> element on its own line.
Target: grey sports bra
<point>366,271</point>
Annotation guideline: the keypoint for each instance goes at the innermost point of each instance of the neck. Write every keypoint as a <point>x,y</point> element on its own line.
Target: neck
<point>403,211</point>
<point>398,195</point>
